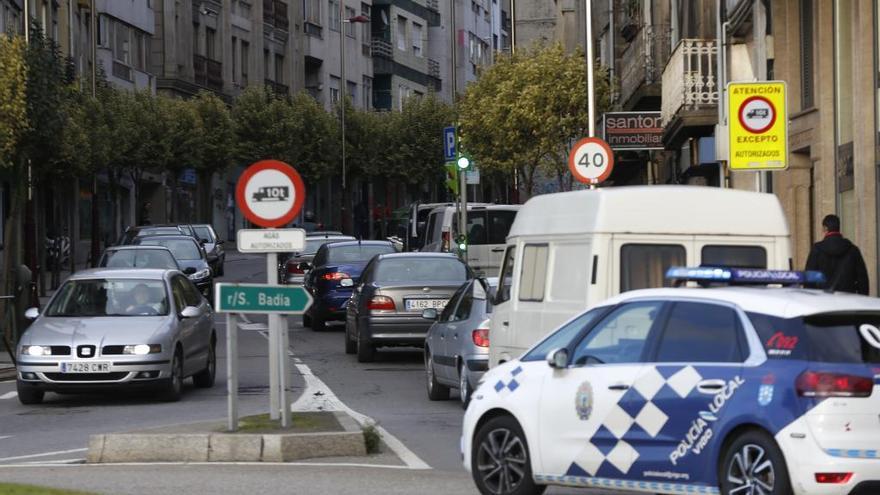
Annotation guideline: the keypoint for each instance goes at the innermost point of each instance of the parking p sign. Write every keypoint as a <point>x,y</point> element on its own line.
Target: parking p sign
<point>758,125</point>
<point>449,143</point>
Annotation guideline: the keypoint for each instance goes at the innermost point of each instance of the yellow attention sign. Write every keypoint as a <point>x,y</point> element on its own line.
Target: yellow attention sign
<point>758,122</point>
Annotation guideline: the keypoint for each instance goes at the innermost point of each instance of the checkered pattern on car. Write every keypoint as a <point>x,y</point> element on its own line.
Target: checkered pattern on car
<point>511,382</point>
<point>634,413</point>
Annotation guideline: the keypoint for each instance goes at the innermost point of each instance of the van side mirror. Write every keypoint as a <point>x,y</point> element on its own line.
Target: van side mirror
<point>558,359</point>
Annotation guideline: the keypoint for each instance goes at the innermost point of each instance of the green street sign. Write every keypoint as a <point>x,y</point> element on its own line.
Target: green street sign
<point>261,298</point>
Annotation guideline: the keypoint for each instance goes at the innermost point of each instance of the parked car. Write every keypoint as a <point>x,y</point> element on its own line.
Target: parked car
<point>386,307</point>
<point>190,255</point>
<point>568,251</point>
<point>725,390</point>
<point>295,266</point>
<point>337,269</point>
<point>118,329</point>
<point>138,256</point>
<point>213,247</point>
<point>457,344</point>
<point>132,233</point>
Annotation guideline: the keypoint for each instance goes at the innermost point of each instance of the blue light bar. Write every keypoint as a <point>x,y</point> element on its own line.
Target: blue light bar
<point>745,276</point>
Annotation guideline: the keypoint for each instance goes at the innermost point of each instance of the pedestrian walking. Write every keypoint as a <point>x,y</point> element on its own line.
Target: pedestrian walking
<point>839,260</point>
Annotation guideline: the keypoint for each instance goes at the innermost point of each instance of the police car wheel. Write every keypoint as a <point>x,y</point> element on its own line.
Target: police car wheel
<point>754,465</point>
<point>500,459</point>
<point>436,390</point>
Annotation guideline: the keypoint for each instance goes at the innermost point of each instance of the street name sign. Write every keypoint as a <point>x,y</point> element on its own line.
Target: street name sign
<point>261,299</point>
<point>270,193</point>
<point>591,160</point>
<point>270,240</point>
<point>758,122</point>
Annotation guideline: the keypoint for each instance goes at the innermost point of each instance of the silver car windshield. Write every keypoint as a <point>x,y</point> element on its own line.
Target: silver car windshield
<point>110,297</point>
<point>139,258</point>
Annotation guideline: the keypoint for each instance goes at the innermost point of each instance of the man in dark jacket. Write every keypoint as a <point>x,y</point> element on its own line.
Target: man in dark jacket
<point>839,259</point>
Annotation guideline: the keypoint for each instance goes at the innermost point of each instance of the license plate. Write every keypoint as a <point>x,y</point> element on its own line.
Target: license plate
<point>422,304</point>
<point>78,367</point>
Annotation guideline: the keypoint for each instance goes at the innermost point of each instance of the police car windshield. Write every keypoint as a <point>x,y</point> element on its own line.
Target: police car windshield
<point>839,338</point>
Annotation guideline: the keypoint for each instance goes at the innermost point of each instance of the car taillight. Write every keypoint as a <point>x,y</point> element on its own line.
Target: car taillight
<point>447,239</point>
<point>381,303</point>
<point>481,337</point>
<point>337,276</point>
<point>836,478</point>
<point>294,269</point>
<point>823,384</point>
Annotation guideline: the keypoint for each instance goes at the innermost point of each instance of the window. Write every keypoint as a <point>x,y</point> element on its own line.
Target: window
<point>533,275</point>
<point>334,89</point>
<point>367,34</point>
<point>806,25</point>
<point>825,338</point>
<point>844,61</point>
<point>211,43</point>
<point>571,272</point>
<point>234,59</point>
<point>190,294</point>
<point>178,290</point>
<point>122,43</point>
<point>486,226</point>
<point>644,266</point>
<point>351,88</point>
<point>700,333</point>
<point>564,335</point>
<point>104,31</point>
<point>245,61</point>
<point>463,310</point>
<point>312,11</point>
<point>620,337</point>
<point>279,68</point>
<point>401,33</point>
<point>367,99</point>
<point>417,39</point>
<point>505,281</point>
<point>448,313</point>
<point>734,256</point>
<point>349,26</point>
<point>266,61</point>
<point>333,9</point>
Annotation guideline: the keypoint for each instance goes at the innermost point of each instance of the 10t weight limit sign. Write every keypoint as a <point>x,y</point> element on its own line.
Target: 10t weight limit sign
<point>591,160</point>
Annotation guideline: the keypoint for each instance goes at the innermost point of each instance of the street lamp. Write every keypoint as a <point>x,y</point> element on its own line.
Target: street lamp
<point>343,83</point>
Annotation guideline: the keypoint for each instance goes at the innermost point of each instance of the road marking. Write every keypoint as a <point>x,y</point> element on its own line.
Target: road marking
<point>45,454</point>
<point>318,397</point>
<point>9,395</point>
<point>5,436</point>
<point>76,463</point>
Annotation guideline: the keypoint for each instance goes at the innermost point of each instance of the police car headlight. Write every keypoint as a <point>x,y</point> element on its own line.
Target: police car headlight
<point>142,349</point>
<point>36,350</point>
<point>200,274</point>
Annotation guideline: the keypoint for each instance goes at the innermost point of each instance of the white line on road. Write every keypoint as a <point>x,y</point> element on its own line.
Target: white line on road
<point>9,395</point>
<point>5,436</point>
<point>75,463</point>
<point>318,397</point>
<point>45,454</point>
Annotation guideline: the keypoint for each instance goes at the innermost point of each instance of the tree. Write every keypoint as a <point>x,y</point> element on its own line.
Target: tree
<point>417,134</point>
<point>217,142</point>
<point>524,111</point>
<point>182,136</point>
<point>13,97</point>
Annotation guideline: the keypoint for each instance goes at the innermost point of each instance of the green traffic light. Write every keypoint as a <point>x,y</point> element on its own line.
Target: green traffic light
<point>463,162</point>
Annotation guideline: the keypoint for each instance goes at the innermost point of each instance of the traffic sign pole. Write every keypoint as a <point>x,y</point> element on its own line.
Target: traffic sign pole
<point>284,369</point>
<point>274,341</point>
<point>232,371</point>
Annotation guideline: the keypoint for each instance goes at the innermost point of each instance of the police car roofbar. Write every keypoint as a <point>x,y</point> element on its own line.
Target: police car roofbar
<point>744,276</point>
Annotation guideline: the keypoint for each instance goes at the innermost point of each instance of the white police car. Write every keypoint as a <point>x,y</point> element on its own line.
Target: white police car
<point>731,390</point>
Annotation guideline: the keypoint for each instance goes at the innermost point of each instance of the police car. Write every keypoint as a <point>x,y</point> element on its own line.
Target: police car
<point>733,390</point>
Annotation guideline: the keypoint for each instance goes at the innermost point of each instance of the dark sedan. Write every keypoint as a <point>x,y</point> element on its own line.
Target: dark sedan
<point>133,233</point>
<point>386,308</point>
<point>213,247</point>
<point>296,265</point>
<point>191,257</point>
<point>337,269</point>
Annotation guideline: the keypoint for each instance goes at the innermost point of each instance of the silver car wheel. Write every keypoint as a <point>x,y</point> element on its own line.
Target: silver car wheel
<point>751,472</point>
<point>501,461</point>
<point>464,386</point>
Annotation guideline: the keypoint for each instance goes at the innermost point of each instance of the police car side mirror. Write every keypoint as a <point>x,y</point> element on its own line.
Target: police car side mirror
<point>558,359</point>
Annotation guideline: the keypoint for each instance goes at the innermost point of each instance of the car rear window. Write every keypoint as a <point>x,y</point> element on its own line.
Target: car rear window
<point>840,338</point>
<point>356,253</point>
<point>182,249</point>
<point>419,269</point>
<point>139,258</point>
<point>734,256</point>
<point>204,233</point>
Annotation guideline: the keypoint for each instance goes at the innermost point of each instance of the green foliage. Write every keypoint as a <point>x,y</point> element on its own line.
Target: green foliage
<point>217,139</point>
<point>526,108</point>
<point>13,96</point>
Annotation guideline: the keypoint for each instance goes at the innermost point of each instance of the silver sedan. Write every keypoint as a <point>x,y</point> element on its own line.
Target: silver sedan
<point>119,328</point>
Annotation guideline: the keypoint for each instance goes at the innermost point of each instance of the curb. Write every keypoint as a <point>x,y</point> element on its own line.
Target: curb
<point>7,373</point>
<point>227,447</point>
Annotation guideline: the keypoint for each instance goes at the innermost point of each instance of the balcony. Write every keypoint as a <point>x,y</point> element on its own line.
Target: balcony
<point>382,48</point>
<point>433,5</point>
<point>208,73</point>
<point>277,88</point>
<point>641,66</point>
<point>433,68</point>
<point>690,91</point>
<point>275,14</point>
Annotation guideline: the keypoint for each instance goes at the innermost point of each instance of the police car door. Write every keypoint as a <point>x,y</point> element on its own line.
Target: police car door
<point>693,372</point>
<point>584,412</point>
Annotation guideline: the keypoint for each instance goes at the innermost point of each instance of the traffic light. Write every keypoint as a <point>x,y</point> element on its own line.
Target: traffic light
<point>461,242</point>
<point>464,162</point>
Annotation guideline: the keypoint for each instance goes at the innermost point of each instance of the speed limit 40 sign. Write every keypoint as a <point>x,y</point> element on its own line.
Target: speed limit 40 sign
<point>591,160</point>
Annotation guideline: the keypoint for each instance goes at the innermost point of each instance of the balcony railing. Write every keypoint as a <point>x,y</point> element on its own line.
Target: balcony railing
<point>276,87</point>
<point>382,48</point>
<point>208,73</point>
<point>433,5</point>
<point>689,79</point>
<point>642,60</point>
<point>433,68</point>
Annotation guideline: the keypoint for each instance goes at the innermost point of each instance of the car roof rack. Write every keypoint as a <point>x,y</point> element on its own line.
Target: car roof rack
<point>715,275</point>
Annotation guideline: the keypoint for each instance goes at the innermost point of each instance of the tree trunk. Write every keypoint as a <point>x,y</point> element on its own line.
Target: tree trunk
<point>96,224</point>
<point>11,251</point>
<point>114,200</point>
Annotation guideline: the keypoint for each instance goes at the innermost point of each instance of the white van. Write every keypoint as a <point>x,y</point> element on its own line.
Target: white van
<point>568,251</point>
<point>487,228</point>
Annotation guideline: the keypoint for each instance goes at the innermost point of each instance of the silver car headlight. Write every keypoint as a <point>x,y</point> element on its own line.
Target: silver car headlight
<point>36,350</point>
<point>142,349</point>
<point>200,274</point>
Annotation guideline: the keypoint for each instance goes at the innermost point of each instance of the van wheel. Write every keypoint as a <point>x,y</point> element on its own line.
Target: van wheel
<point>500,460</point>
<point>436,390</point>
<point>754,465</point>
